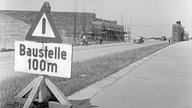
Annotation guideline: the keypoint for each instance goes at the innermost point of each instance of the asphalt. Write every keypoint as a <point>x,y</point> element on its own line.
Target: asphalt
<point>160,80</point>
<point>80,53</point>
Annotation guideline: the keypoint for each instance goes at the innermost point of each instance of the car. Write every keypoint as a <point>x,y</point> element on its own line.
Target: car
<point>163,38</point>
<point>139,40</point>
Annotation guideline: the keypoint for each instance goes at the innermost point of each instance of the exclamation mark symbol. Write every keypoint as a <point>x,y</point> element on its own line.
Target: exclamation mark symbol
<point>43,25</point>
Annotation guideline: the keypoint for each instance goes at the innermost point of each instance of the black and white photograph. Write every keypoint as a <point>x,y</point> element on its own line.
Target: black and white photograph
<point>95,54</point>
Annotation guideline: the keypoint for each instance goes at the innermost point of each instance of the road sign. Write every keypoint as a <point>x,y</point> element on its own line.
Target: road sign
<point>43,29</point>
<point>43,58</point>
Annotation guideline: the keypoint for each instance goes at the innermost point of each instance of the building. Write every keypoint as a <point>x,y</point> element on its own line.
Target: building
<point>109,30</point>
<point>69,24</point>
<point>186,36</point>
<point>178,32</point>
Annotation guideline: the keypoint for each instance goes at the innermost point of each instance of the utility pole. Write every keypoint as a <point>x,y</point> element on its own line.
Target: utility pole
<point>94,11</point>
<point>130,26</point>
<point>125,35</point>
<point>75,18</point>
<point>121,20</point>
<point>84,18</point>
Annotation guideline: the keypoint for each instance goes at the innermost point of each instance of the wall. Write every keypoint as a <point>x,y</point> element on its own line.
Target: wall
<point>11,30</point>
<point>64,21</point>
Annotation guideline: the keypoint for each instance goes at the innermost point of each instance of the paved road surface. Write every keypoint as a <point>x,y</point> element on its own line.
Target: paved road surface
<point>164,81</point>
<point>81,53</point>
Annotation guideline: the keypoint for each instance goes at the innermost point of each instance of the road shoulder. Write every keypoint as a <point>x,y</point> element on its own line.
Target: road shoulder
<point>92,90</point>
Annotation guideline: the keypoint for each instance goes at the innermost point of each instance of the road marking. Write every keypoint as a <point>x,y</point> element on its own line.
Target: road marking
<point>6,62</point>
<point>74,52</point>
<point>115,46</point>
<point>98,49</point>
<point>82,51</point>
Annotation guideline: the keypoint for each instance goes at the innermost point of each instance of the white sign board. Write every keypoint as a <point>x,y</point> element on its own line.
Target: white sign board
<point>43,58</point>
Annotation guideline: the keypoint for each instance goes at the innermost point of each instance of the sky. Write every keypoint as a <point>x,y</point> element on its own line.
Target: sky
<point>147,18</point>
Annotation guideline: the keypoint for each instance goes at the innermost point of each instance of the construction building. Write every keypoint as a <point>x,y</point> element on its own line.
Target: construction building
<point>186,36</point>
<point>178,32</point>
<point>69,24</point>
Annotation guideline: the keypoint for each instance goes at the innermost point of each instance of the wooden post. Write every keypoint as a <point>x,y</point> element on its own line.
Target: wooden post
<point>39,88</point>
<point>33,95</point>
<point>57,93</point>
<point>43,92</point>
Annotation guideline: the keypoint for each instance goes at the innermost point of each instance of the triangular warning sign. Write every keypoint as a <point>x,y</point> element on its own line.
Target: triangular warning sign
<point>43,29</point>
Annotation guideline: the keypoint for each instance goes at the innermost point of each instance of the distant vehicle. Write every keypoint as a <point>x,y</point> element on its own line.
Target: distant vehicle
<point>139,40</point>
<point>163,38</point>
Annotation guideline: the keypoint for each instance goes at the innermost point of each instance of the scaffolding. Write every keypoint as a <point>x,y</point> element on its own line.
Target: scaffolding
<point>110,29</point>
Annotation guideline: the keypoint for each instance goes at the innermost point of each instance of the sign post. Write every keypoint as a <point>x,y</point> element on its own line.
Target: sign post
<point>42,55</point>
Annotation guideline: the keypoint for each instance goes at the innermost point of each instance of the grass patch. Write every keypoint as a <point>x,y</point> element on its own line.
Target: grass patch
<point>83,74</point>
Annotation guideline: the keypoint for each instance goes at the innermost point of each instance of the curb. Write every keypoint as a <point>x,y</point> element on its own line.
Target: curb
<point>92,90</point>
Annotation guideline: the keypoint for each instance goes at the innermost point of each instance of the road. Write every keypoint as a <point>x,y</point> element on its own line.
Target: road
<point>80,53</point>
<point>163,81</point>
